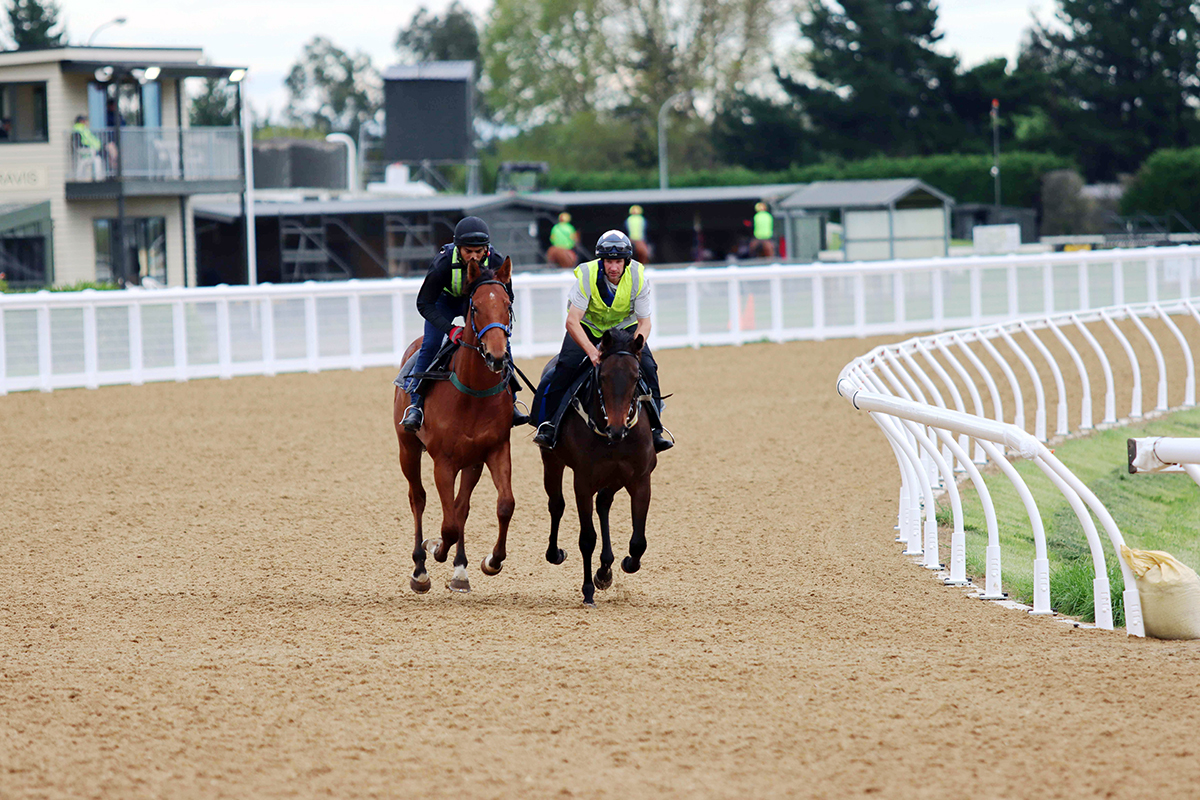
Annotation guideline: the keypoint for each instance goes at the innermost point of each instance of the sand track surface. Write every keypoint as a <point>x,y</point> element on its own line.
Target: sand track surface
<point>205,594</point>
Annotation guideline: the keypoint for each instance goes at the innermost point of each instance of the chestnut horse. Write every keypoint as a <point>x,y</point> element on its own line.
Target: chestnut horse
<point>608,450</point>
<point>467,424</point>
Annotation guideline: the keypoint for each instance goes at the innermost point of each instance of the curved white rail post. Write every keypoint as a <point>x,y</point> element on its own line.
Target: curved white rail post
<point>1110,397</point>
<point>955,395</point>
<point>1161,405</point>
<point>1189,385</point>
<point>1085,385</point>
<point>1018,400</point>
<point>1060,428</point>
<point>1039,393</point>
<point>1135,403</point>
<point>988,432</point>
<point>963,375</point>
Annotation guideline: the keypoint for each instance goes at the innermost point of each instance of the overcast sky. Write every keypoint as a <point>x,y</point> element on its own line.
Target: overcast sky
<point>267,35</point>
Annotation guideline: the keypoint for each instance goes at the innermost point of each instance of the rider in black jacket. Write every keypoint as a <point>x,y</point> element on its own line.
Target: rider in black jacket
<point>442,298</point>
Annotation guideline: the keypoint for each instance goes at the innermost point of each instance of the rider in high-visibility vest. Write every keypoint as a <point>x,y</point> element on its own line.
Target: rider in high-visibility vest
<point>442,298</point>
<point>563,238</point>
<point>635,224</point>
<point>764,231</point>
<point>87,147</point>
<point>610,292</point>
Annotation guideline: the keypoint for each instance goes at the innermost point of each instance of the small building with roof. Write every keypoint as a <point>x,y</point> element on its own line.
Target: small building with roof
<point>98,163</point>
<point>359,236</point>
<point>881,219</point>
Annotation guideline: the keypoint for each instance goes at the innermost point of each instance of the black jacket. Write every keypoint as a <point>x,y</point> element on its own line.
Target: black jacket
<point>438,283</point>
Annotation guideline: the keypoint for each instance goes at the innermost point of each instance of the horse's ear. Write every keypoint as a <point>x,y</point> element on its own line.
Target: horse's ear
<point>606,341</point>
<point>504,274</point>
<point>472,272</point>
<point>638,341</point>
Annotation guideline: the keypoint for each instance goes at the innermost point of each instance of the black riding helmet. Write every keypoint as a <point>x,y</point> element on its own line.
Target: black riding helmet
<point>471,232</point>
<point>614,244</point>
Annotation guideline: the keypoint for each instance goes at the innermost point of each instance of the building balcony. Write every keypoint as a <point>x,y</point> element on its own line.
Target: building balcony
<point>133,161</point>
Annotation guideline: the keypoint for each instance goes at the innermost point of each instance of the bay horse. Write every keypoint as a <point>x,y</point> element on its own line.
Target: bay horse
<point>608,450</point>
<point>467,423</point>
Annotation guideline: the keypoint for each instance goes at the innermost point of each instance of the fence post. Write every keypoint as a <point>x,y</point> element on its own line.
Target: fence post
<point>397,328</point>
<point>818,308</point>
<point>268,335</point>
<point>355,312</point>
<point>860,305</point>
<point>312,347</point>
<point>136,361</point>
<point>734,293</point>
<point>179,340</point>
<point>527,319</point>
<point>224,349</point>
<point>776,306</point>
<point>45,363</point>
<point>693,312</point>
<point>976,278</point>
<point>91,353</point>
<point>1085,291</point>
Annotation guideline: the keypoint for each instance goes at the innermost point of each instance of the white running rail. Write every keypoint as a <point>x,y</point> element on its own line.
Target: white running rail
<point>906,397</point>
<point>1165,454</point>
<point>51,340</point>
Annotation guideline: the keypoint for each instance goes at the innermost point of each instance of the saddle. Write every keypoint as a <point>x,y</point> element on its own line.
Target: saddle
<point>438,369</point>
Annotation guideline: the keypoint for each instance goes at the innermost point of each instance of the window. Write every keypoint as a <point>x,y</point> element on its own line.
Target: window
<point>146,250</point>
<point>23,113</point>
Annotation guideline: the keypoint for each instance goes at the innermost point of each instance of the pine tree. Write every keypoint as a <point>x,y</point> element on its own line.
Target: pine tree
<point>1125,71</point>
<point>881,87</point>
<point>215,106</point>
<point>33,24</point>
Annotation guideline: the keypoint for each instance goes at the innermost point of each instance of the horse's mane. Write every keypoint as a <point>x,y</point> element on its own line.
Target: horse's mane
<point>619,339</point>
<point>485,274</point>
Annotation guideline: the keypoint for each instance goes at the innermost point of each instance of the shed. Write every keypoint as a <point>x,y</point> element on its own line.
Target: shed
<point>882,219</point>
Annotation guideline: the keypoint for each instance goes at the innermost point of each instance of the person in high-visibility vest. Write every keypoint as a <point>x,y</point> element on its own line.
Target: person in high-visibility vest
<point>443,296</point>
<point>563,239</point>
<point>635,225</point>
<point>764,232</point>
<point>610,292</point>
<point>87,145</point>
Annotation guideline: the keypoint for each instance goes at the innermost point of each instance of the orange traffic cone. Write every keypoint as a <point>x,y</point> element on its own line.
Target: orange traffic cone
<point>748,314</point>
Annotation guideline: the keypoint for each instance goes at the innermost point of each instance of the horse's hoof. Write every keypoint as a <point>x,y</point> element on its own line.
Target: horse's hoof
<point>590,603</point>
<point>419,586</point>
<point>432,546</point>
<point>629,565</point>
<point>459,585</point>
<point>488,569</point>
<point>556,557</point>
<point>603,578</point>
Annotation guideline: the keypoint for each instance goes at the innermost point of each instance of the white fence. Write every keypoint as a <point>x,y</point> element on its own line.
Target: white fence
<point>921,409</point>
<point>52,340</point>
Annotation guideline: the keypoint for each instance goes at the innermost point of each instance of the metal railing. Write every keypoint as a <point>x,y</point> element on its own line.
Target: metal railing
<point>909,390</point>
<point>154,154</point>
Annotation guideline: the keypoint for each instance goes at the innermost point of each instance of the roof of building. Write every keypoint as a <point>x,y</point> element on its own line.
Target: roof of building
<point>859,194</point>
<point>696,194</point>
<point>229,210</point>
<point>431,71</point>
<point>173,62</point>
<point>16,215</point>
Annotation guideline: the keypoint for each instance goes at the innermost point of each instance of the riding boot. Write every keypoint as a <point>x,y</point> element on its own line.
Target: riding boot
<point>545,435</point>
<point>414,415</point>
<point>519,417</point>
<point>661,442</point>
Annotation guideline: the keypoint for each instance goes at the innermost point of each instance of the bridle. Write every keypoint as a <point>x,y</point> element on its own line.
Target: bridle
<point>631,419</point>
<point>478,336</point>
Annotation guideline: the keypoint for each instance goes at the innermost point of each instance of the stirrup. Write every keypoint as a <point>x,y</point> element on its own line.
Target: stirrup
<point>520,417</point>
<point>414,417</point>
<point>661,443</point>
<point>545,435</point>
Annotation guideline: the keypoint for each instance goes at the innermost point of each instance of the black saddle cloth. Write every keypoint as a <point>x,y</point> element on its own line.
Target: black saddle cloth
<point>439,370</point>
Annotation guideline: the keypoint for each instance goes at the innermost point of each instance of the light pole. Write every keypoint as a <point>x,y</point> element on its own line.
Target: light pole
<point>662,137</point>
<point>115,21</point>
<point>996,148</point>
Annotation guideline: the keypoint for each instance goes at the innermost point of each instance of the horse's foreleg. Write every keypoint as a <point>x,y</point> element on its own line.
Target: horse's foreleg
<point>552,474</point>
<point>499,464</point>
<point>466,485</point>
<point>444,475</point>
<point>410,465</point>
<point>587,536</point>
<point>604,501</point>
<point>639,500</point>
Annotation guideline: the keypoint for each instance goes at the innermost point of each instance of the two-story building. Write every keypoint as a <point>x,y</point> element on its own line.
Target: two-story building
<point>98,164</point>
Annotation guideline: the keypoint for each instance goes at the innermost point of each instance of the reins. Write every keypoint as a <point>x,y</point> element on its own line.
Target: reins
<point>478,334</point>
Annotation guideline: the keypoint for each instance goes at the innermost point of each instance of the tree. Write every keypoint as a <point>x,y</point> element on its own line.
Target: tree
<point>880,87</point>
<point>332,90</point>
<point>33,24</point>
<point>1126,73</point>
<point>216,106</point>
<point>452,37</point>
<point>758,134</point>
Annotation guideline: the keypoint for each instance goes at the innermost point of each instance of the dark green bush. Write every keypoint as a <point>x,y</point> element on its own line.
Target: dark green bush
<point>1169,181</point>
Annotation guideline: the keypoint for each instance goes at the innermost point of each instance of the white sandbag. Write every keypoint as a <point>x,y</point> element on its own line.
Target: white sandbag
<point>1169,591</point>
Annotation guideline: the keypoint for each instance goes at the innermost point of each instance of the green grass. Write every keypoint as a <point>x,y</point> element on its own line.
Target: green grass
<point>1153,512</point>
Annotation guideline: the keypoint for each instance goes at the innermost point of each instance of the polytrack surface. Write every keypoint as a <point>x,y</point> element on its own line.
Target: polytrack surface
<point>205,594</point>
